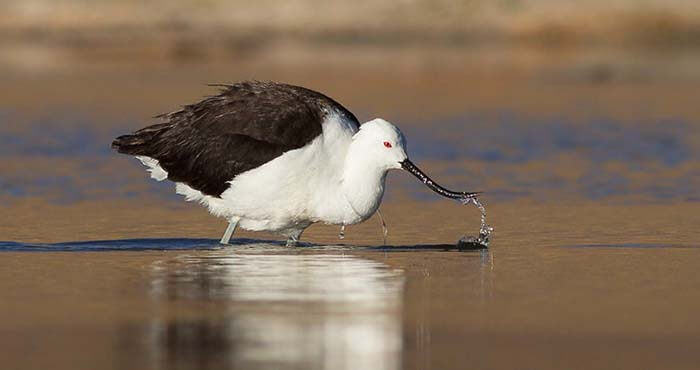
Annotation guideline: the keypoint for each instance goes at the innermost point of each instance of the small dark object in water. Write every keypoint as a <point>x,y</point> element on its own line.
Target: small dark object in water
<point>471,243</point>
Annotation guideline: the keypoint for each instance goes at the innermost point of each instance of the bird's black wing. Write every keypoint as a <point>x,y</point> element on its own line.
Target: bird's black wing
<point>208,143</point>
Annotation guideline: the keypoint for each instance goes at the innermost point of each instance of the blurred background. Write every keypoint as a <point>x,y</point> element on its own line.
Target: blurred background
<point>531,101</point>
<point>580,120</point>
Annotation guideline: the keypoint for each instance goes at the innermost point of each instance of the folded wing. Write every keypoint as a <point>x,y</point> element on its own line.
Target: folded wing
<point>248,124</point>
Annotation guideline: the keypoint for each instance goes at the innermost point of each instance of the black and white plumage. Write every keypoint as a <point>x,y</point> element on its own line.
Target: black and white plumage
<point>207,144</point>
<point>275,157</point>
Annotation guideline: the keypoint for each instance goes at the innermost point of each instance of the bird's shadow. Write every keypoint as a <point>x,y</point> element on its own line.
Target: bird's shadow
<point>238,244</point>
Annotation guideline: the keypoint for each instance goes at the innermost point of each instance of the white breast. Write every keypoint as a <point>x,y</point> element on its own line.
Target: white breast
<point>300,187</point>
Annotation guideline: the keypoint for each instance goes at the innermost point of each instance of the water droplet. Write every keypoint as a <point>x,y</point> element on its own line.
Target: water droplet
<point>341,234</point>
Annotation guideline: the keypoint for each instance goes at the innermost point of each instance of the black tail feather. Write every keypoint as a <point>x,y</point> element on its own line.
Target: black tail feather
<point>129,144</point>
<point>140,142</point>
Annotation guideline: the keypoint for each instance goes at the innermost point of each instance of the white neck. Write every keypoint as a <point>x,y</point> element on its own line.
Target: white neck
<point>362,184</point>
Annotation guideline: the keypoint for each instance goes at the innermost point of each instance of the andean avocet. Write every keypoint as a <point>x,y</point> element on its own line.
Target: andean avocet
<point>275,157</point>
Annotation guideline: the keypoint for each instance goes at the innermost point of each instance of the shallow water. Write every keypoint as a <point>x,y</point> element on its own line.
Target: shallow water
<point>543,296</point>
<point>592,191</point>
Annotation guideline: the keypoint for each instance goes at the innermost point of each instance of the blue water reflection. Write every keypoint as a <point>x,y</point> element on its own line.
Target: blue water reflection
<point>513,139</point>
<point>70,160</point>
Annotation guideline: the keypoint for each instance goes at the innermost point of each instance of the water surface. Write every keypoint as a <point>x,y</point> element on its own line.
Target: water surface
<point>592,189</point>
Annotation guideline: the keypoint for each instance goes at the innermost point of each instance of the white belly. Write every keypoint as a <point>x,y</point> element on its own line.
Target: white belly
<point>300,187</point>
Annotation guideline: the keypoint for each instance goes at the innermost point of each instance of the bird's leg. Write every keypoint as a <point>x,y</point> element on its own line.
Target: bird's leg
<point>385,231</point>
<point>229,231</point>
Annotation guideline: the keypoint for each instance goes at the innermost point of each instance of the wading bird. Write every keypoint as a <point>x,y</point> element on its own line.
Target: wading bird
<point>275,157</point>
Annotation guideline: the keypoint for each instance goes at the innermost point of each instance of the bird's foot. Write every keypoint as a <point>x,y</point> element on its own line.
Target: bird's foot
<point>292,242</point>
<point>293,237</point>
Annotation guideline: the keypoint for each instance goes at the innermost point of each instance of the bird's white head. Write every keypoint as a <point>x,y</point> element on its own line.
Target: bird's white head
<point>381,146</point>
<point>377,148</point>
<point>380,143</point>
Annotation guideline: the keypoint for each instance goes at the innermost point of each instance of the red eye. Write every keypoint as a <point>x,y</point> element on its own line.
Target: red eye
<point>387,144</point>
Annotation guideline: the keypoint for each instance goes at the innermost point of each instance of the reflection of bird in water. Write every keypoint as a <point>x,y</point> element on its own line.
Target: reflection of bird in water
<point>304,311</point>
<point>274,157</point>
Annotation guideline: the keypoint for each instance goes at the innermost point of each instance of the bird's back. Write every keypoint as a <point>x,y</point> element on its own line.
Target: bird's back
<point>207,144</point>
